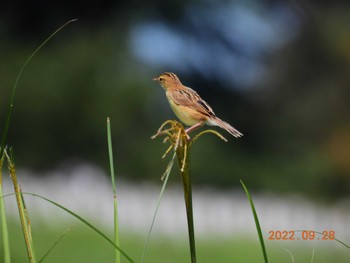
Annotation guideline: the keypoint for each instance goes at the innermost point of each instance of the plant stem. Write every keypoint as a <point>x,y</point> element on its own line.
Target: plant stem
<point>22,211</point>
<point>4,228</point>
<point>184,162</point>
<point>179,140</point>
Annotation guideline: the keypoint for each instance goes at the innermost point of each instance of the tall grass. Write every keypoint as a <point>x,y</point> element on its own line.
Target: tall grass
<point>165,178</point>
<point>115,203</point>
<point>11,166</point>
<point>23,213</point>
<point>257,223</point>
<point>4,227</point>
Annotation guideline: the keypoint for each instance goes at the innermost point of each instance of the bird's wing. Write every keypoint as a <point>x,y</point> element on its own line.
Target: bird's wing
<point>187,97</point>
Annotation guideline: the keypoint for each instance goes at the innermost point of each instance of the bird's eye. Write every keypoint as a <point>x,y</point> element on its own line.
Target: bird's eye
<point>161,79</point>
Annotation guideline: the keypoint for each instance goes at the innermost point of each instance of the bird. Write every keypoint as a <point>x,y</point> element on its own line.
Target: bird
<point>189,107</point>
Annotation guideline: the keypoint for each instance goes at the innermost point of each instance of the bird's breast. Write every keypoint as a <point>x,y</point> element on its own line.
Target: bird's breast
<point>185,114</point>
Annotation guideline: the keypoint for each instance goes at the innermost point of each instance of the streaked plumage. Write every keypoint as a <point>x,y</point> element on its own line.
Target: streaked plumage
<point>189,107</point>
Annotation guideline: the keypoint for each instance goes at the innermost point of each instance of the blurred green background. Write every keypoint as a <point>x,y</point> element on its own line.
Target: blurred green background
<point>278,71</point>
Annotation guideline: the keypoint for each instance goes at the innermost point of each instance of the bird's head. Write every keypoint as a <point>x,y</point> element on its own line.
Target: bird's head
<point>168,80</point>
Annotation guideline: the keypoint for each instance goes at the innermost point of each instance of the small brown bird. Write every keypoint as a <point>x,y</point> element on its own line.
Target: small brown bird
<point>189,107</point>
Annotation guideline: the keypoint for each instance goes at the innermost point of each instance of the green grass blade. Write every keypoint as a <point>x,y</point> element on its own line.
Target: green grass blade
<point>341,242</point>
<point>4,228</point>
<point>257,224</point>
<point>111,164</point>
<point>12,98</point>
<point>84,222</point>
<point>322,234</point>
<point>53,245</point>
<point>166,177</point>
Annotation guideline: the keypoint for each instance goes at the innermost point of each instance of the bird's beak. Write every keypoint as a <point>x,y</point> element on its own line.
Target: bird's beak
<point>155,79</point>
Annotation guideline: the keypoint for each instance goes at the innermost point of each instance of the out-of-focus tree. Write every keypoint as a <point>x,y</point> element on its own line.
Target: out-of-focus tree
<point>276,70</point>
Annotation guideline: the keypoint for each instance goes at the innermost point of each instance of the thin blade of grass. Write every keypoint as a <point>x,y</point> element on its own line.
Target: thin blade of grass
<point>111,164</point>
<point>54,245</point>
<point>83,221</point>
<point>4,228</point>
<point>290,254</point>
<point>322,234</point>
<point>12,98</point>
<point>29,225</point>
<point>257,224</point>
<point>20,202</point>
<point>21,209</point>
<point>165,177</point>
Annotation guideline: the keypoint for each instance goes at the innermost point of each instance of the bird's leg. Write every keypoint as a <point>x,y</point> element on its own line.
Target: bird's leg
<point>194,127</point>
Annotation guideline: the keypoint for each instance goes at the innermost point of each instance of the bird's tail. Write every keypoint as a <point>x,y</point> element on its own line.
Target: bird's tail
<point>224,125</point>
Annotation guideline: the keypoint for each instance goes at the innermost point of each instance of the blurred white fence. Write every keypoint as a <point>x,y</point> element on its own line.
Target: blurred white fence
<point>86,190</point>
